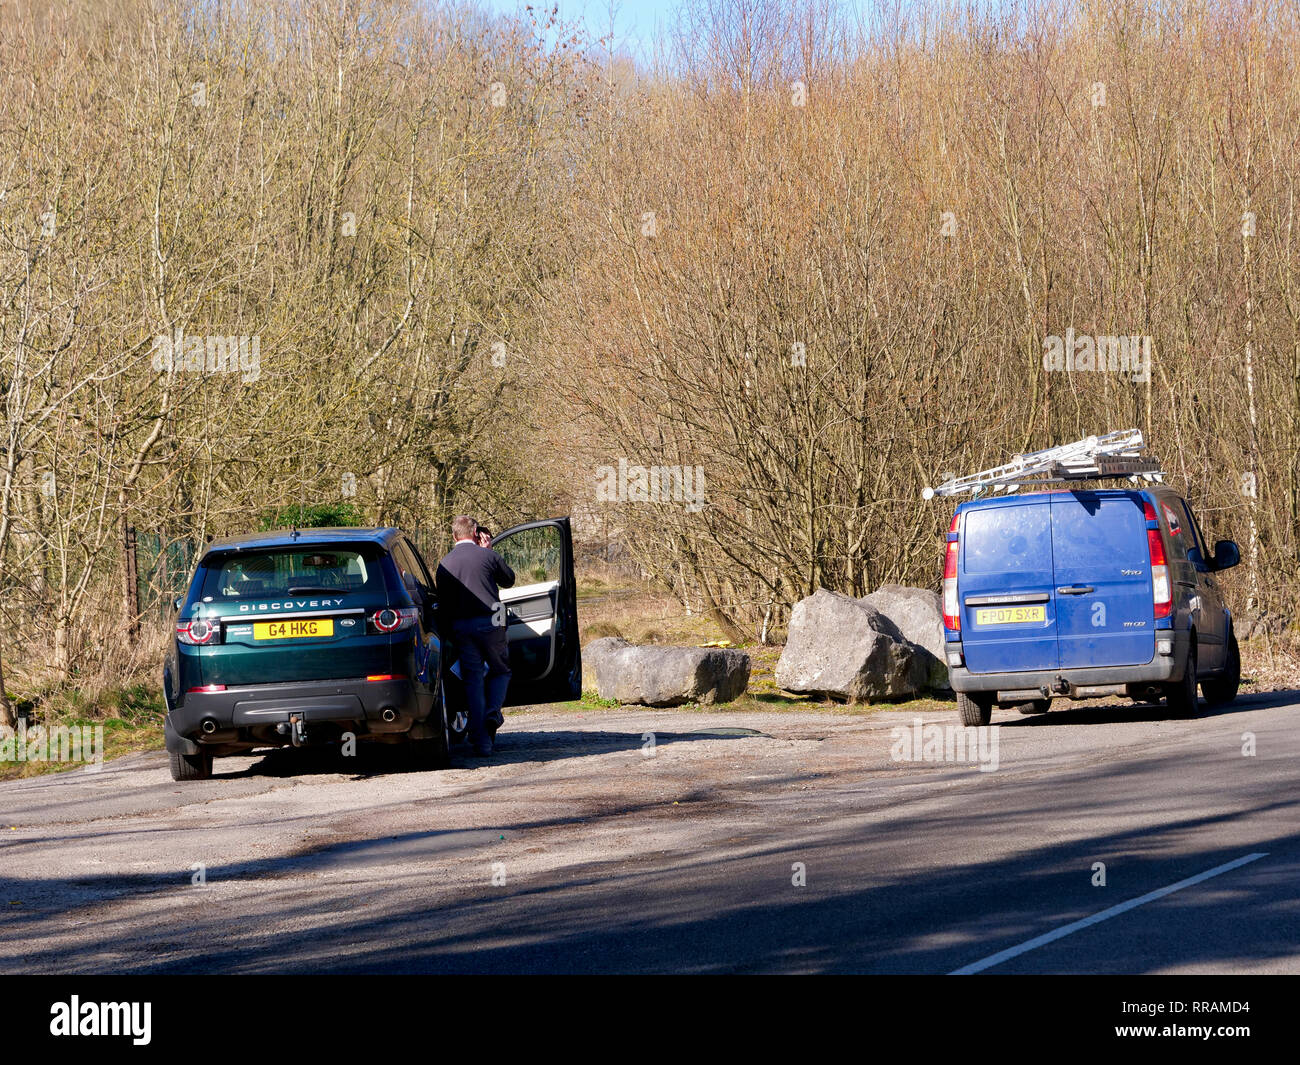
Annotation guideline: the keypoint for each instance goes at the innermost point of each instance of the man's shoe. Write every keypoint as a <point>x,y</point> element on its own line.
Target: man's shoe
<point>483,750</point>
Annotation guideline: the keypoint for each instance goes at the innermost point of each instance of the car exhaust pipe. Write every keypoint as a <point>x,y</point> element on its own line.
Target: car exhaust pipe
<point>208,725</point>
<point>389,714</point>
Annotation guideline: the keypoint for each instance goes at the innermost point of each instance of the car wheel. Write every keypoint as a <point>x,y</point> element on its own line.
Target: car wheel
<point>435,752</point>
<point>975,709</point>
<point>457,724</point>
<point>1034,706</point>
<point>190,766</point>
<point>1221,690</point>
<point>1181,695</point>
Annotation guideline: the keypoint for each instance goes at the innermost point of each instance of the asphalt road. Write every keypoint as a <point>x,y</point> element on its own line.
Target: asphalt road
<point>582,849</point>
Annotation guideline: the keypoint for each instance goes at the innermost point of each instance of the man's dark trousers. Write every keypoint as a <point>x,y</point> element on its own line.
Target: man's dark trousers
<point>483,653</point>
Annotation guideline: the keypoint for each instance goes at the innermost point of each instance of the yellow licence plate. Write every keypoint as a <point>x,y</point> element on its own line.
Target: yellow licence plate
<point>1010,615</point>
<point>289,630</point>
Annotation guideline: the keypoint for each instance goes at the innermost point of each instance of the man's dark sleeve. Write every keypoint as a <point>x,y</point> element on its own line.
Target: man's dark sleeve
<point>504,574</point>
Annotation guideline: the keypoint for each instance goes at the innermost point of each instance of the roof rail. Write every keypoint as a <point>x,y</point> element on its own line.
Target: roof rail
<point>1094,458</point>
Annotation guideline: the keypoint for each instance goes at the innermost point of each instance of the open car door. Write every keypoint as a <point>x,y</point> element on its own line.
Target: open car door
<point>541,613</point>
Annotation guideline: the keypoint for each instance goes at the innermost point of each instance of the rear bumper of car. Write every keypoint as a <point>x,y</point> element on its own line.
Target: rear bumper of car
<point>265,713</point>
<point>1080,683</point>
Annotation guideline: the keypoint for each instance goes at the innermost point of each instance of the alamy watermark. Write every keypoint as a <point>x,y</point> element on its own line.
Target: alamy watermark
<point>651,484</point>
<point>208,354</point>
<point>114,1019</point>
<point>945,743</point>
<point>58,743</point>
<point>1099,354</point>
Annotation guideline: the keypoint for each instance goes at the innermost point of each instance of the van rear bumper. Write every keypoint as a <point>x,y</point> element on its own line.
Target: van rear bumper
<point>1162,669</point>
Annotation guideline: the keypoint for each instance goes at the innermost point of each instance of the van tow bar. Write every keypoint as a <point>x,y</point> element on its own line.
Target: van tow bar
<point>297,730</point>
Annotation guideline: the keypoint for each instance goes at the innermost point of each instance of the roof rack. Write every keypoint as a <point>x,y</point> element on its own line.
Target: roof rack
<point>1093,458</point>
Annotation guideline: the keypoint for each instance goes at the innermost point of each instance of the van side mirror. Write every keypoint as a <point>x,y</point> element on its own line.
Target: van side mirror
<point>1226,555</point>
<point>176,603</point>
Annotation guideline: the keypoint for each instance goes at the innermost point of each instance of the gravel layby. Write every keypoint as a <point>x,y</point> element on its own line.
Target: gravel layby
<point>296,861</point>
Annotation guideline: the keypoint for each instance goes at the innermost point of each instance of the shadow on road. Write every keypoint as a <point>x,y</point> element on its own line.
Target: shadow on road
<point>885,892</point>
<point>1069,714</point>
<point>512,747</point>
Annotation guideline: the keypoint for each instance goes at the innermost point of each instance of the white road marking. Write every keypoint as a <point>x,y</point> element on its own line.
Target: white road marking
<point>1097,918</point>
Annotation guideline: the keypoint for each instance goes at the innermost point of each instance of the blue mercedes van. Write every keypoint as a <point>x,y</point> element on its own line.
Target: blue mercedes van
<point>1081,594</point>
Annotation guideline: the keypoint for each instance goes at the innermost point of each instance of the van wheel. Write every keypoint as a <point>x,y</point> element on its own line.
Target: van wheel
<point>190,766</point>
<point>1034,706</point>
<point>1180,696</point>
<point>975,709</point>
<point>1221,690</point>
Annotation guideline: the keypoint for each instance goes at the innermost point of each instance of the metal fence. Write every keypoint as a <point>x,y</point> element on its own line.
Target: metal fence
<point>163,569</point>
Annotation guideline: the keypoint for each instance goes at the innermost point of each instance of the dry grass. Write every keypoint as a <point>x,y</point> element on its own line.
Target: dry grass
<point>642,614</point>
<point>111,666</point>
<point>122,735</point>
<point>1271,662</point>
<point>119,687</point>
<point>638,613</point>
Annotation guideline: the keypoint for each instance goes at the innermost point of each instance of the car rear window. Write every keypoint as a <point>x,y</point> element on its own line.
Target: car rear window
<point>1008,539</point>
<point>303,570</point>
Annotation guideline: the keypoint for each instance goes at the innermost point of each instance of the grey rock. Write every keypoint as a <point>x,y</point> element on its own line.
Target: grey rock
<point>1247,624</point>
<point>918,615</point>
<point>847,649</point>
<point>665,676</point>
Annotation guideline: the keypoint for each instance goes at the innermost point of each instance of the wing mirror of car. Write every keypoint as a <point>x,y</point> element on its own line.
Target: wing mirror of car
<point>1226,554</point>
<point>176,603</point>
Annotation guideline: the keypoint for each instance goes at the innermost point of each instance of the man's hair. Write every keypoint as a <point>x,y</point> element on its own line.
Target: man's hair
<point>462,527</point>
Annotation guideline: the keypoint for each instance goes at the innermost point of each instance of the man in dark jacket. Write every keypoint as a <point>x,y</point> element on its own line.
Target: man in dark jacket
<point>469,580</point>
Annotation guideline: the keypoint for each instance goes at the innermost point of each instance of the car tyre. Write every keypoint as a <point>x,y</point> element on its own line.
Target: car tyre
<point>1180,696</point>
<point>190,766</point>
<point>433,753</point>
<point>975,710</point>
<point>1221,690</point>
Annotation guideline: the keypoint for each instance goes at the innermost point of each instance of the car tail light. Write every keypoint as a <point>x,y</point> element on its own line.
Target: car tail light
<point>393,618</point>
<point>207,688</point>
<point>199,631</point>
<point>1161,590</point>
<point>951,613</point>
<point>386,676</point>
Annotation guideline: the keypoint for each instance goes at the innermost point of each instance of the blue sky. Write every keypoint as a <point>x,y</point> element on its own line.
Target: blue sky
<point>635,21</point>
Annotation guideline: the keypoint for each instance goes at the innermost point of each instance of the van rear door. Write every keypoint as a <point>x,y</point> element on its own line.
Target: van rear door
<point>1102,592</point>
<point>1008,620</point>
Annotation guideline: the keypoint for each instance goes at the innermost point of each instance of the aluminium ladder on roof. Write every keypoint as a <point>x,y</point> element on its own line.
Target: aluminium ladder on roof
<point>1117,454</point>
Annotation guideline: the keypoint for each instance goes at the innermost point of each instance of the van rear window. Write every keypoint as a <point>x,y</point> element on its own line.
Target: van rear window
<point>319,570</point>
<point>1008,539</point>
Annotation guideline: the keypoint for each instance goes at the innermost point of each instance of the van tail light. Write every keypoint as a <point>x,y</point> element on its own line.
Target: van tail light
<point>200,632</point>
<point>393,619</point>
<point>1161,590</point>
<point>951,614</point>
